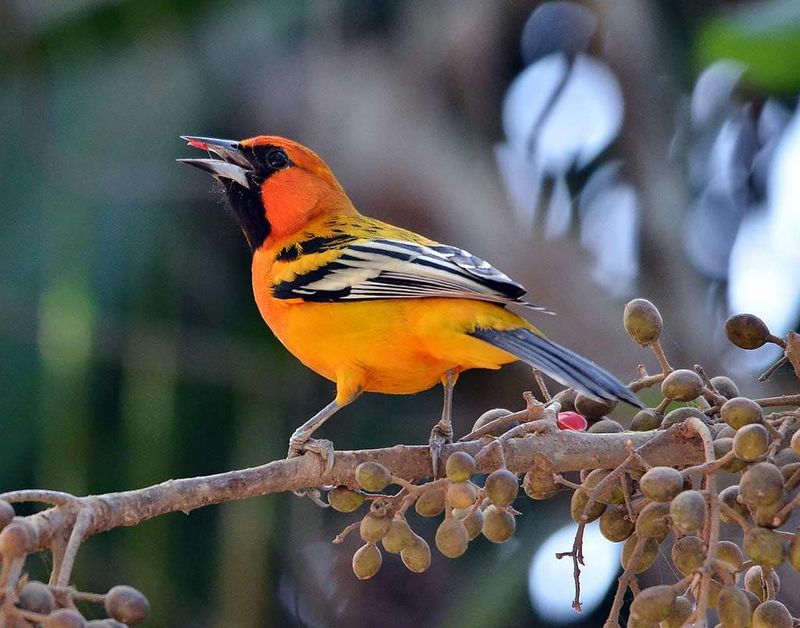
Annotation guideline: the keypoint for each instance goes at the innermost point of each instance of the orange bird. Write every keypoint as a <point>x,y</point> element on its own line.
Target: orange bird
<point>371,306</point>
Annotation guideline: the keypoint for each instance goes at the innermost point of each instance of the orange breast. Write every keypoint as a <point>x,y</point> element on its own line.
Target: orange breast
<point>396,346</point>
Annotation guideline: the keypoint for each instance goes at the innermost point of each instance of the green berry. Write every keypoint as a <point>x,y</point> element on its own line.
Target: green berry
<point>416,556</point>
<point>398,536</point>
<point>501,487</point>
<point>661,484</point>
<point>498,524</point>
<point>682,385</point>
<point>367,561</point>
<point>741,411</point>
<point>452,537</point>
<point>343,499</point>
<point>688,511</point>
<point>459,466</point>
<point>373,476</point>
<point>642,321</point>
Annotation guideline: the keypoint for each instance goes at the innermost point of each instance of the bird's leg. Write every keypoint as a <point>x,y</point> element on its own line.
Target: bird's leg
<point>442,432</point>
<point>301,440</point>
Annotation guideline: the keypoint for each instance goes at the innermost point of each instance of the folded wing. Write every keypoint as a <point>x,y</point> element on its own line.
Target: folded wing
<point>397,269</point>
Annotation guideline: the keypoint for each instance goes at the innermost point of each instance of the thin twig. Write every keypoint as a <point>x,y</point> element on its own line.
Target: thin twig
<point>624,582</point>
<point>82,524</point>
<point>537,376</point>
<point>666,369</point>
<point>577,560</point>
<point>771,370</point>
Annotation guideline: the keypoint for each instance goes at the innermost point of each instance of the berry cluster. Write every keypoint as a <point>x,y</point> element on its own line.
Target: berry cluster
<point>35,603</point>
<point>468,511</point>
<point>752,446</point>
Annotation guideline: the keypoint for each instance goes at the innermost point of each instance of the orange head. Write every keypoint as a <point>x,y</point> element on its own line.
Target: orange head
<point>274,186</point>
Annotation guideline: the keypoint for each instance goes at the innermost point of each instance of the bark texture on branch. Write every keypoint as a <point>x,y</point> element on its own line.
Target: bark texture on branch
<point>568,451</point>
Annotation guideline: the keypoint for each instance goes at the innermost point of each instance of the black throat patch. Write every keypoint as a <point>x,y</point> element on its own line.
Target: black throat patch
<point>248,211</point>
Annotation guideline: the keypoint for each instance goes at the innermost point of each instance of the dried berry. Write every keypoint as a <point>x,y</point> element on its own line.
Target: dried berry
<point>611,494</point>
<point>491,415</point>
<point>681,610</point>
<point>373,476</point>
<point>593,408</point>
<point>793,552</point>
<point>642,321</point>
<point>733,607</point>
<point>730,555</point>
<point>795,442</point>
<point>764,516</point>
<point>501,487</point>
<point>416,555</point>
<point>398,536</point>
<point>761,485</point>
<point>578,503</point>
<point>367,561</point>
<point>747,331</point>
<point>127,604</point>
<point>373,528</point>
<point>37,597</point>
<point>764,547</point>
<point>452,538</point>
<point>751,442</point>
<point>754,582</point>
<point>472,520</point>
<point>459,466</point>
<point>646,558</point>
<point>498,524</point>
<point>64,618</point>
<point>679,415</point>
<point>688,511</point>
<point>646,420</point>
<point>431,503</point>
<point>539,485</point>
<point>688,554</point>
<point>661,484</point>
<point>653,521</point>
<point>461,495</point>
<point>654,603</point>
<point>682,385</point>
<point>721,447</point>
<point>615,524</point>
<point>725,386</point>
<point>729,497</point>
<point>16,539</point>
<point>343,499</point>
<point>741,411</point>
<point>567,399</point>
<point>606,426</point>
<point>772,614</point>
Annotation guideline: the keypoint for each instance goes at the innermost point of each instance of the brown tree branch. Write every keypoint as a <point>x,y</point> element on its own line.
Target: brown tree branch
<point>567,450</point>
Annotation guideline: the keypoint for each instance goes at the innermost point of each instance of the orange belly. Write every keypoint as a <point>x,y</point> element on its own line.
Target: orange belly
<point>398,346</point>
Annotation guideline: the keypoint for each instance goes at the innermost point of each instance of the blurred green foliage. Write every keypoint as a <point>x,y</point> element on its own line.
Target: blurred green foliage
<point>763,36</point>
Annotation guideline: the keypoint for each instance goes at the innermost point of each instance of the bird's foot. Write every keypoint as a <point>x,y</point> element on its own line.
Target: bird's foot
<point>300,444</point>
<point>441,435</point>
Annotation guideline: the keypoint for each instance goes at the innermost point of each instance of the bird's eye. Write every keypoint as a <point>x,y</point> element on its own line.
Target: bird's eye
<point>277,159</point>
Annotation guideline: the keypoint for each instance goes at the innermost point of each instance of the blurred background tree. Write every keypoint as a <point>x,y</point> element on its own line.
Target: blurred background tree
<point>131,350</point>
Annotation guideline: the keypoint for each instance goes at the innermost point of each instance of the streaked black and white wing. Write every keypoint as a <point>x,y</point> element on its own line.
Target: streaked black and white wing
<point>397,269</point>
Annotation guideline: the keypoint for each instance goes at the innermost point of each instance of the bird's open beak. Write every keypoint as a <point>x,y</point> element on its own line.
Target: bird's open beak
<point>232,164</point>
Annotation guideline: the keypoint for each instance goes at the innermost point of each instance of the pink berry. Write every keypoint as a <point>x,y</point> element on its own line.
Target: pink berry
<point>572,421</point>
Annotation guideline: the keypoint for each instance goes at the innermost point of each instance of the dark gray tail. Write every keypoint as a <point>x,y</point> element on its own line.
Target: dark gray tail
<point>559,363</point>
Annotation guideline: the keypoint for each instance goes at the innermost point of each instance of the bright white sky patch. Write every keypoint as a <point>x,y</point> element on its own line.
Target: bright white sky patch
<point>765,260</point>
<point>551,587</point>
